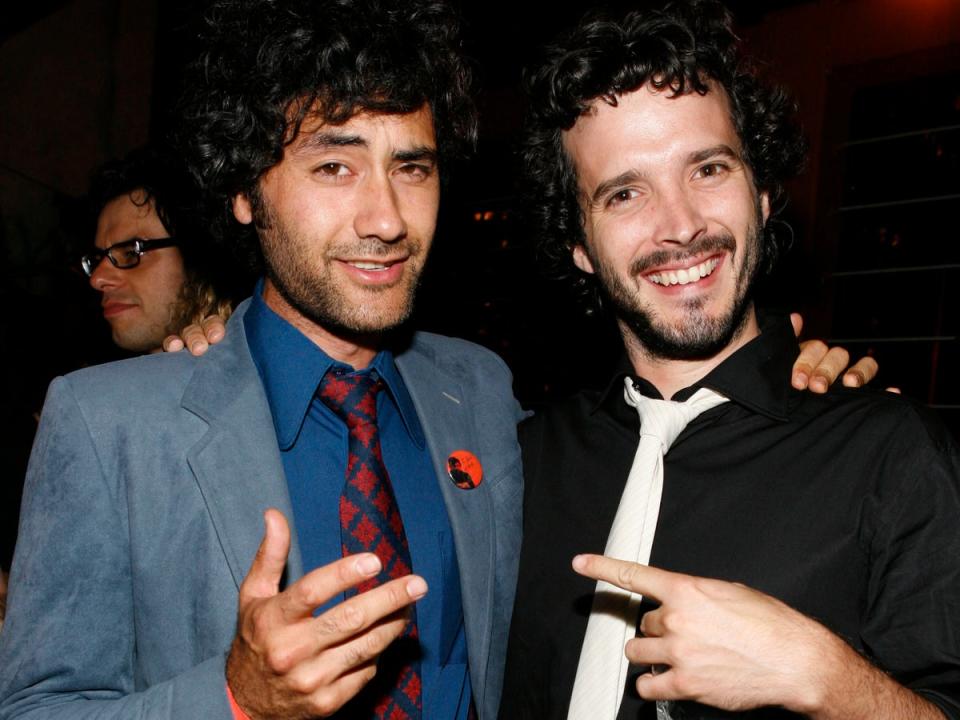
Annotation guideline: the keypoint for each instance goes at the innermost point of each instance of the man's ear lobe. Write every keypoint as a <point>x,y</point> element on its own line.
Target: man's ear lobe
<point>582,260</point>
<point>242,209</point>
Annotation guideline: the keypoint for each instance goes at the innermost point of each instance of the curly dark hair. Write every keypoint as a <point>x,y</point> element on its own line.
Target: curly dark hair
<point>681,48</point>
<point>147,169</point>
<point>267,65</point>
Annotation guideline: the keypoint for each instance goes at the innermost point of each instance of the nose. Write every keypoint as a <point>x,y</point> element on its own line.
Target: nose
<point>380,214</point>
<point>105,276</point>
<point>680,219</point>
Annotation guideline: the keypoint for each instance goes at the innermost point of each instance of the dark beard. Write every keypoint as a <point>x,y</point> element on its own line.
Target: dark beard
<point>701,337</point>
<point>313,297</point>
<point>704,341</point>
<point>318,304</point>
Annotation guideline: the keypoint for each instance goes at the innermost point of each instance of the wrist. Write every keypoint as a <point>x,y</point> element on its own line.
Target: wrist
<point>235,709</point>
<point>823,673</point>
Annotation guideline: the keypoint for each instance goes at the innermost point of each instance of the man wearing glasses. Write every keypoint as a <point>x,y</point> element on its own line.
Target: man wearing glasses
<point>152,283</point>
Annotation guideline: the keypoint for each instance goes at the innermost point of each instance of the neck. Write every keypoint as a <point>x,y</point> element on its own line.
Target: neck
<point>668,375</point>
<point>355,350</point>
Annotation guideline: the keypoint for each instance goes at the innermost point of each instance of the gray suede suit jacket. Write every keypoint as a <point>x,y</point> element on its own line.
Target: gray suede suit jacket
<point>143,511</point>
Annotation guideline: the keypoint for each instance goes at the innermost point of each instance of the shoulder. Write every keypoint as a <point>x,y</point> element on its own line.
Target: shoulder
<point>429,361</point>
<point>885,417</point>
<point>455,352</point>
<point>469,363</point>
<point>140,382</point>
<point>897,453</point>
<point>580,410</point>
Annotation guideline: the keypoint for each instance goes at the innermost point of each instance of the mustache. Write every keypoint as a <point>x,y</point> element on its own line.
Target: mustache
<point>700,246</point>
<point>376,248</point>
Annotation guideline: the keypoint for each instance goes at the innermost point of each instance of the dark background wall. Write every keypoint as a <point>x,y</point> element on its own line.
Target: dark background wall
<point>876,261</point>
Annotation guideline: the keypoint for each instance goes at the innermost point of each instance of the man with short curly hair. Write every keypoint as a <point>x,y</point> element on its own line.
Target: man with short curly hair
<point>825,524</point>
<point>270,531</point>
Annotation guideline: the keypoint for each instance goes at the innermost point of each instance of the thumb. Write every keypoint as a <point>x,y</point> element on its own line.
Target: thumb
<point>797,321</point>
<point>263,580</point>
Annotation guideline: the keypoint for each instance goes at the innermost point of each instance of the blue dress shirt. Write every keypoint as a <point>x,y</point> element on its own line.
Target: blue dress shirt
<point>313,447</point>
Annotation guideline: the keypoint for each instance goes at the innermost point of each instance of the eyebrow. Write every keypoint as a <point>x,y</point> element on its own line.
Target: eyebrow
<point>632,176</point>
<point>327,139</point>
<point>721,150</point>
<point>418,153</point>
<point>626,178</point>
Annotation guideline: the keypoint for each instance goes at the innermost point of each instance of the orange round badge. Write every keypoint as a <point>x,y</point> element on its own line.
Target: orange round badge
<point>464,469</point>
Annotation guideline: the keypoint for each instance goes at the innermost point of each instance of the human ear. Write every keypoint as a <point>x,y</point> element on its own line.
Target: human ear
<point>582,260</point>
<point>242,209</point>
<point>765,205</point>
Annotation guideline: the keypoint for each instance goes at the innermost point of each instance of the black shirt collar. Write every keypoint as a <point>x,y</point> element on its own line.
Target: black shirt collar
<point>756,376</point>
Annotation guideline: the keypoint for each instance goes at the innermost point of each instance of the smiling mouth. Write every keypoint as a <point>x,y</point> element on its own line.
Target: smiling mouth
<point>372,266</point>
<point>684,276</point>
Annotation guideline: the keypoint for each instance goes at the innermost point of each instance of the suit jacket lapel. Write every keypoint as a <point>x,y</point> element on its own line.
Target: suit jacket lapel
<point>448,425</point>
<point>237,462</point>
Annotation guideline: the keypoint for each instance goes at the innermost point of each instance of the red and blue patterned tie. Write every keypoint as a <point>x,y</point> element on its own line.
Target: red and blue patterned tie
<point>370,522</point>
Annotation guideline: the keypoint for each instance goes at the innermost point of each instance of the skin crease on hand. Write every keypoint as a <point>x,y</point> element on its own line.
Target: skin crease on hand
<point>732,647</point>
<point>329,658</point>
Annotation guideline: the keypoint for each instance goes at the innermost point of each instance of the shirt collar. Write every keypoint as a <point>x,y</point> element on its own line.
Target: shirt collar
<point>756,376</point>
<point>291,366</point>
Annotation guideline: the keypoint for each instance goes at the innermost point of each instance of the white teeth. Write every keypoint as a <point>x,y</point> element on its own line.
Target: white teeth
<point>685,276</point>
<point>369,266</point>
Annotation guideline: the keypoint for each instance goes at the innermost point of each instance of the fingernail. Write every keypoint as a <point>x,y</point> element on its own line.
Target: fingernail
<point>800,381</point>
<point>579,562</point>
<point>416,587</point>
<point>368,564</point>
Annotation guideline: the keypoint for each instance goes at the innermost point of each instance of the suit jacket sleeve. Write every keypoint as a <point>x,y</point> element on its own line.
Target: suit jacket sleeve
<point>68,648</point>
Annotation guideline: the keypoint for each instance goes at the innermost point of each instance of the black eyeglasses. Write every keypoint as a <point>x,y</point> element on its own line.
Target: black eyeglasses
<point>125,254</point>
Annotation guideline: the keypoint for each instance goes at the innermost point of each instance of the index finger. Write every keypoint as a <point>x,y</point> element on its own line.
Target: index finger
<point>375,608</point>
<point>862,372</point>
<point>172,343</point>
<point>213,328</point>
<point>650,582</point>
<point>302,597</point>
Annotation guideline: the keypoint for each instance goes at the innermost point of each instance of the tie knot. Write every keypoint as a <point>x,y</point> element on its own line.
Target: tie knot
<point>666,419</point>
<point>352,396</point>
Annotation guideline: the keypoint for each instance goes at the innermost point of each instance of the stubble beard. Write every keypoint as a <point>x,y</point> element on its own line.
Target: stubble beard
<point>315,295</point>
<point>148,336</point>
<point>698,335</point>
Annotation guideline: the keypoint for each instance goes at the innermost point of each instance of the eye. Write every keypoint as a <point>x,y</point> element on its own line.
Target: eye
<point>417,172</point>
<point>621,197</point>
<point>712,170</point>
<point>125,253</point>
<point>331,169</point>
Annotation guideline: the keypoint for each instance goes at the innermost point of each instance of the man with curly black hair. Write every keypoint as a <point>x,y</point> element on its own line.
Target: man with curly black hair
<point>825,524</point>
<point>145,584</point>
<point>150,262</point>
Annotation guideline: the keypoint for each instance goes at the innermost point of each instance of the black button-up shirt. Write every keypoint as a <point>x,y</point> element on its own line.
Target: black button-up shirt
<point>846,506</point>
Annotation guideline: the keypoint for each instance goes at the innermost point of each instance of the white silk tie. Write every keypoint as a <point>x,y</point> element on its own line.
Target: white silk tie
<point>602,670</point>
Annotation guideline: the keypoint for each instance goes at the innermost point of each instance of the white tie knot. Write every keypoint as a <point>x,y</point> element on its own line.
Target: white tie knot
<point>666,419</point>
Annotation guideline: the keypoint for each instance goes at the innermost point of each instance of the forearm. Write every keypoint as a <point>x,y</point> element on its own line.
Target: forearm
<point>199,692</point>
<point>854,689</point>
